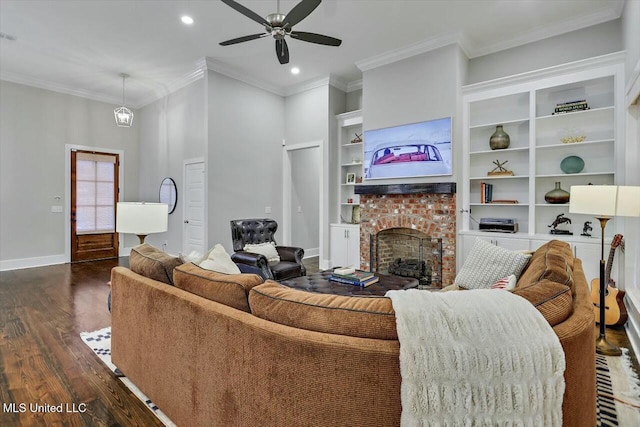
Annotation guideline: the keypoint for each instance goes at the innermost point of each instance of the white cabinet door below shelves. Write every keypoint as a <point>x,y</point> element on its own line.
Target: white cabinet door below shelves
<point>345,246</point>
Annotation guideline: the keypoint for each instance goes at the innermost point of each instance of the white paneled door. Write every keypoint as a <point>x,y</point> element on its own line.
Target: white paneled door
<point>194,207</point>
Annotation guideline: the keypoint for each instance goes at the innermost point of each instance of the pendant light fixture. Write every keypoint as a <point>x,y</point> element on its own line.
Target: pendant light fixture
<point>123,115</point>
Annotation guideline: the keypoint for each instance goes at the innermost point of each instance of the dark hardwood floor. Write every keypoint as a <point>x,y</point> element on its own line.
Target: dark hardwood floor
<point>44,361</point>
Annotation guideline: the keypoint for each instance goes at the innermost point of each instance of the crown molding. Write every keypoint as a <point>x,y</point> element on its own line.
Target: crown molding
<point>550,30</point>
<point>355,85</point>
<point>174,86</point>
<point>412,50</point>
<point>226,70</point>
<point>55,87</point>
<point>616,58</point>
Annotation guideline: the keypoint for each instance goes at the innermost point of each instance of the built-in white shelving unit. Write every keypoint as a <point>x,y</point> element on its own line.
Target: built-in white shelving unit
<point>524,105</point>
<point>345,236</point>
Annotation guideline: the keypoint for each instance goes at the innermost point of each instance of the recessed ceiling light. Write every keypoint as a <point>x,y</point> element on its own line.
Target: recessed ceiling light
<point>295,70</point>
<point>187,20</point>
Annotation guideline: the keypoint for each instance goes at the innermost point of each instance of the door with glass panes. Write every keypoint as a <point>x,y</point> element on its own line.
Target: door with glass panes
<point>94,194</point>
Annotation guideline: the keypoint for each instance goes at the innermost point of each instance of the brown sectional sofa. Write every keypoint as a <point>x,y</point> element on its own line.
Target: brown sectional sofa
<point>225,350</point>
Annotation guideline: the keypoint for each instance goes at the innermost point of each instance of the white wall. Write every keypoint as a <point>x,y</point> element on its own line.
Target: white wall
<point>354,100</point>
<point>631,37</point>
<point>35,126</point>
<point>245,133</point>
<point>172,130</point>
<point>581,44</point>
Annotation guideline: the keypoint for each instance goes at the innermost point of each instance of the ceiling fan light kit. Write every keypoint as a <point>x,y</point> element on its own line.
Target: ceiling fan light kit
<point>123,115</point>
<point>279,26</point>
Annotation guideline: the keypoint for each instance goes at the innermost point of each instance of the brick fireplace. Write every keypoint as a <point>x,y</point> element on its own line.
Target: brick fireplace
<point>427,210</point>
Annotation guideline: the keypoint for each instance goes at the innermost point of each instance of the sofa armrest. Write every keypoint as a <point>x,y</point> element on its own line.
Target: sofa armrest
<point>249,262</point>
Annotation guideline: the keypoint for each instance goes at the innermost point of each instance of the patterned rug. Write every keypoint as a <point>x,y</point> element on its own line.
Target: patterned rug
<point>618,402</point>
<point>614,376</point>
<point>100,342</point>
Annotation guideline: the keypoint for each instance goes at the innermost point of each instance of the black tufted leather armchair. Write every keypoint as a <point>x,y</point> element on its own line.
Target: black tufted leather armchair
<point>256,231</point>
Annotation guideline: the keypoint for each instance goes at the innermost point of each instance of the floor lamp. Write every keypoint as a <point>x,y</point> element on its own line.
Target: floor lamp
<point>141,218</point>
<point>604,202</point>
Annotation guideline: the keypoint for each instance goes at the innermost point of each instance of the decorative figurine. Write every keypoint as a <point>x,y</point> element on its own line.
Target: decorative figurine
<point>560,219</point>
<point>500,170</point>
<point>357,139</point>
<point>586,228</point>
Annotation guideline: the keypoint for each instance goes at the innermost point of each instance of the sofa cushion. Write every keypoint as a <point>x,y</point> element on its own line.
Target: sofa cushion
<point>366,317</point>
<point>153,263</point>
<point>227,289</point>
<point>268,249</point>
<point>552,299</point>
<point>552,261</point>
<point>486,264</point>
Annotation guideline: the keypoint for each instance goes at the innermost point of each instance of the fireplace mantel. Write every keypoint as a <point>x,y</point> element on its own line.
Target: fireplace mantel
<point>427,188</point>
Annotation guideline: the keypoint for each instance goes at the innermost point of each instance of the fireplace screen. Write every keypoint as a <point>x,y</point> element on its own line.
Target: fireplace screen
<point>408,253</point>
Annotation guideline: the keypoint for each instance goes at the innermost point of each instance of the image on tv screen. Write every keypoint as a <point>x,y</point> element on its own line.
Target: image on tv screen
<point>412,150</point>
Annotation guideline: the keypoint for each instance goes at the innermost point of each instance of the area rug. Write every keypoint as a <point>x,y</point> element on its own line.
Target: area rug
<point>100,342</point>
<point>618,402</point>
<point>615,377</point>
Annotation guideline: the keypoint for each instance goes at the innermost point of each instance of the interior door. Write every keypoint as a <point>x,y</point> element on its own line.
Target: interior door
<point>194,208</point>
<point>94,195</point>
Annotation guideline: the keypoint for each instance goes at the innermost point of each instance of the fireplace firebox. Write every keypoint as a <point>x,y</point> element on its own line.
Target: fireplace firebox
<point>408,253</point>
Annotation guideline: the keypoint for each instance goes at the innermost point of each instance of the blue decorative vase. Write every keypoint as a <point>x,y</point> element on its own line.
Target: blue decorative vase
<point>572,164</point>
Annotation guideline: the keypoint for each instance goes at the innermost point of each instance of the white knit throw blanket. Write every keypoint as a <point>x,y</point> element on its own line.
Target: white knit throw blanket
<point>477,358</point>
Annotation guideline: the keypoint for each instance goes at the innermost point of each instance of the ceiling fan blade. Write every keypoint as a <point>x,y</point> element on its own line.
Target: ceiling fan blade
<point>243,39</point>
<point>282,51</point>
<point>247,12</point>
<point>299,12</point>
<point>315,38</point>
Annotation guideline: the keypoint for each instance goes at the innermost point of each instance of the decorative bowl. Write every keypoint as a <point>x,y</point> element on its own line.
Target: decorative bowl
<point>572,164</point>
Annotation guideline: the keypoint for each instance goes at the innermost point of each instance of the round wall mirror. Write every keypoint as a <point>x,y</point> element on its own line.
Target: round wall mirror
<point>169,193</point>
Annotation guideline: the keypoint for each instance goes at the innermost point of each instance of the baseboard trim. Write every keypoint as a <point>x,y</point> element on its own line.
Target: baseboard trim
<point>311,253</point>
<point>20,263</point>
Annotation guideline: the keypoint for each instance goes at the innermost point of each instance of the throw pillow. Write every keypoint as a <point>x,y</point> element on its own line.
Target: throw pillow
<point>507,283</point>
<point>218,260</point>
<point>487,263</point>
<point>267,249</point>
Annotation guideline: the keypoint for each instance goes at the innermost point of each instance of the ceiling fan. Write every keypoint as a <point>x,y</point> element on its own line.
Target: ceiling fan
<point>278,26</point>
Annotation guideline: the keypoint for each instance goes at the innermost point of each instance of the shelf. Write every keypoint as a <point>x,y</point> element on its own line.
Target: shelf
<point>353,144</point>
<point>350,204</point>
<point>552,205</point>
<point>567,175</point>
<point>498,204</point>
<point>575,113</point>
<point>494,124</point>
<point>506,150</point>
<point>576,144</point>
<point>482,178</point>
<point>346,165</point>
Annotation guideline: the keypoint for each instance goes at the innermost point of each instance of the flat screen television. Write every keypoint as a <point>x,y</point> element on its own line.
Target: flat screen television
<point>408,151</point>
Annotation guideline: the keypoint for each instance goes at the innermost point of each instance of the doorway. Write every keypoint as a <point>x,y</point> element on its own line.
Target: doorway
<point>302,197</point>
<point>94,195</point>
<point>194,224</point>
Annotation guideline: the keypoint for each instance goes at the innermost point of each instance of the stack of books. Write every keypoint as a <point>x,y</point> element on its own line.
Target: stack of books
<point>352,276</point>
<point>486,192</point>
<point>568,107</point>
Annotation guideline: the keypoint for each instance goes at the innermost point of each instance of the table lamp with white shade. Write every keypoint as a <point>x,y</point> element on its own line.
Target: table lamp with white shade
<point>141,218</point>
<point>604,202</point>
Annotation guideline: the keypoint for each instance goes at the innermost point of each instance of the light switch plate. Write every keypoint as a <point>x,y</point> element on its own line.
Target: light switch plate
<point>56,209</point>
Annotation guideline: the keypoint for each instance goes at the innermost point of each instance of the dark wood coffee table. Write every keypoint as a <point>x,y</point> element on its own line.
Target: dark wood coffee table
<point>320,283</point>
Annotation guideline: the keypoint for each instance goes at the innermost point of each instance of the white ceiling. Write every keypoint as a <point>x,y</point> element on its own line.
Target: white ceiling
<point>81,47</point>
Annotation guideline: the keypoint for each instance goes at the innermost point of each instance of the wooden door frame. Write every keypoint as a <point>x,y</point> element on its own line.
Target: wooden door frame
<point>67,189</point>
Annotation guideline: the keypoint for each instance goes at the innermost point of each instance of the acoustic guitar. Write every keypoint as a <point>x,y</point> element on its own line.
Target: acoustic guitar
<point>615,313</point>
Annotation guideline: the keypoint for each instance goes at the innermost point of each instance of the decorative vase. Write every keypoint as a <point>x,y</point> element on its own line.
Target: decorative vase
<point>557,195</point>
<point>499,140</point>
<point>572,164</point>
